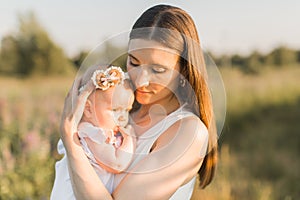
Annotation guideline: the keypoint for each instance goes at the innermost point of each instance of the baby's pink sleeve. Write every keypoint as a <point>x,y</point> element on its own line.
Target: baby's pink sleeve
<point>119,140</point>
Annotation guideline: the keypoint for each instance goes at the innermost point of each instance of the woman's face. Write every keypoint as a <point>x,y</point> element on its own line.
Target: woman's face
<point>153,69</point>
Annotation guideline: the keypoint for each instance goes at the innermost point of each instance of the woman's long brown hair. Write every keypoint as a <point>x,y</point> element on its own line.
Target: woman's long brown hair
<point>176,30</point>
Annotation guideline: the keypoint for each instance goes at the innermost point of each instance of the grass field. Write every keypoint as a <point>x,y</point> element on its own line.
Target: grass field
<point>259,145</point>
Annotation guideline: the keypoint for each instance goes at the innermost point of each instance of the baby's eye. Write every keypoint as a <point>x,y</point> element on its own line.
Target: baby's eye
<point>158,69</point>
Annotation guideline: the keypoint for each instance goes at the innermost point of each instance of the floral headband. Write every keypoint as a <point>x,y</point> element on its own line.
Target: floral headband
<point>104,79</point>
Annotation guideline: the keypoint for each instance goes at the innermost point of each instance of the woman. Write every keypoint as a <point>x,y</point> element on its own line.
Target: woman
<point>174,122</point>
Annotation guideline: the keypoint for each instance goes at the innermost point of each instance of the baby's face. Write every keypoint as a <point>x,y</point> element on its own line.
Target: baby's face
<point>112,107</point>
<point>121,105</point>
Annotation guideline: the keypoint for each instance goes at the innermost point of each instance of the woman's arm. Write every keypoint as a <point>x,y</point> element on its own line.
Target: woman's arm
<point>173,162</point>
<point>85,182</point>
<point>113,159</point>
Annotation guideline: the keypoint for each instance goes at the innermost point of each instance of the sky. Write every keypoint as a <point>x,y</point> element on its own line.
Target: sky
<point>225,27</point>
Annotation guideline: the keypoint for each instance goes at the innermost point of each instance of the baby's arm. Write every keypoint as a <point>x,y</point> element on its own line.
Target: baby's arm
<point>113,159</point>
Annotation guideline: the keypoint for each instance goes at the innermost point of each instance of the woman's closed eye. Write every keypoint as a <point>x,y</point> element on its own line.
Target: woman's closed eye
<point>158,69</point>
<point>133,64</point>
<point>133,61</point>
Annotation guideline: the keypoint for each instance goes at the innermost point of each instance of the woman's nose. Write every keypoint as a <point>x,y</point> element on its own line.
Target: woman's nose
<point>142,79</point>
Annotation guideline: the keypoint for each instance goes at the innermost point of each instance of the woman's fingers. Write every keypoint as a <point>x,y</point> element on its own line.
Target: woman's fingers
<point>81,100</point>
<point>71,97</point>
<point>75,92</point>
<point>73,108</point>
<point>68,124</point>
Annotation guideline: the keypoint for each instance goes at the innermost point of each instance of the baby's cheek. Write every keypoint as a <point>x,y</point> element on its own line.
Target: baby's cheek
<point>115,115</point>
<point>107,119</point>
<point>126,115</point>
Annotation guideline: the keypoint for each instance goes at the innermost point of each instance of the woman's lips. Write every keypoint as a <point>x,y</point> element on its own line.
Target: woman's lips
<point>143,91</point>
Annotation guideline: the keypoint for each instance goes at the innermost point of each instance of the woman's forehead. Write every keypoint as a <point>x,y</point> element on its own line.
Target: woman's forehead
<point>151,52</point>
<point>142,44</point>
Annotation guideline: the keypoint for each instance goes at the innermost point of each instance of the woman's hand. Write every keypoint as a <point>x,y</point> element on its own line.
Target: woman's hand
<point>85,181</point>
<point>73,110</point>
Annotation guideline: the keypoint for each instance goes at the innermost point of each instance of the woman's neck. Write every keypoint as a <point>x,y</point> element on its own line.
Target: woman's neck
<point>149,114</point>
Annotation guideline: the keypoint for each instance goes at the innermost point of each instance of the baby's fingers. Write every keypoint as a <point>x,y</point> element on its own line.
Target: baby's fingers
<point>128,130</point>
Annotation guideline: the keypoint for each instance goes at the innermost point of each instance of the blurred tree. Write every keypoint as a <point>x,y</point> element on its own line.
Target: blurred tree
<point>298,56</point>
<point>211,56</point>
<point>225,61</point>
<point>105,54</point>
<point>115,54</point>
<point>31,51</point>
<point>8,55</point>
<point>281,56</point>
<point>237,60</point>
<point>121,61</point>
<point>78,59</point>
<point>254,62</point>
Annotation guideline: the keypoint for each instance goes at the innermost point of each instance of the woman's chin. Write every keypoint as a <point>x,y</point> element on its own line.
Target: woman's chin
<point>143,100</point>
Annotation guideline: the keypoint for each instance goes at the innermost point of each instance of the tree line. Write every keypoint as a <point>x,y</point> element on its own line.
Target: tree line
<point>281,56</point>
<point>30,51</point>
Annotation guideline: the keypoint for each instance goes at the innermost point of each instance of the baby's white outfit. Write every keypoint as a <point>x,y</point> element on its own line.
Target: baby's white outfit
<point>97,135</point>
<point>62,188</point>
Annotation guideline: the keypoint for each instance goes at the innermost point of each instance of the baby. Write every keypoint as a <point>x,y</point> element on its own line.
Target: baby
<point>107,140</point>
<point>103,131</point>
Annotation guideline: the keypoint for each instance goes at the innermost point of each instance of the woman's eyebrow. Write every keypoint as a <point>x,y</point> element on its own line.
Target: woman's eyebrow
<point>155,64</point>
<point>130,55</point>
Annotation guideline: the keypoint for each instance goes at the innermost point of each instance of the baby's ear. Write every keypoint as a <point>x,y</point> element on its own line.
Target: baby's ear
<point>88,111</point>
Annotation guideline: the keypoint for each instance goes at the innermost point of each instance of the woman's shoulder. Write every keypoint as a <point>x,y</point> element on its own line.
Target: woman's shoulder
<point>186,130</point>
<point>193,122</point>
<point>193,127</point>
<point>189,121</point>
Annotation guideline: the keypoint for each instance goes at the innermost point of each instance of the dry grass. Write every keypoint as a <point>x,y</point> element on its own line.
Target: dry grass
<point>270,87</point>
<point>30,112</point>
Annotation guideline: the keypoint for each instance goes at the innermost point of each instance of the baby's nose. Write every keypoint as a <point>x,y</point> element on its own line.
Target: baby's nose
<point>121,118</point>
